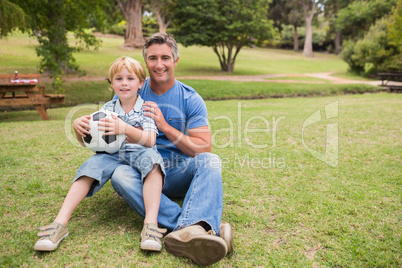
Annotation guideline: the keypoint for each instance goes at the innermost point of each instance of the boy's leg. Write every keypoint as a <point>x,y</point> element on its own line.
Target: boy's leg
<point>52,234</point>
<point>152,190</point>
<point>78,190</point>
<point>151,235</point>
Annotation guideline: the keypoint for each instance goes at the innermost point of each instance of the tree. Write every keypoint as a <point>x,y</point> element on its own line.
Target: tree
<point>294,18</point>
<point>309,9</point>
<point>331,10</point>
<point>286,12</point>
<point>132,10</point>
<point>161,10</point>
<point>49,22</point>
<point>226,26</point>
<point>374,52</point>
<point>356,18</point>
<point>11,17</point>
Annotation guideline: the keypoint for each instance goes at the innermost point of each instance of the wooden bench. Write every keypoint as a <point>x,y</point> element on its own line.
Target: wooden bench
<point>391,77</point>
<point>27,94</point>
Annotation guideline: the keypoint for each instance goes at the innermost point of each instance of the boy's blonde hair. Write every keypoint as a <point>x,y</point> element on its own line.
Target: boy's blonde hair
<point>132,65</point>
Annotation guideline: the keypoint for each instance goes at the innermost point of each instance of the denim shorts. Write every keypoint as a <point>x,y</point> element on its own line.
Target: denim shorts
<point>102,165</point>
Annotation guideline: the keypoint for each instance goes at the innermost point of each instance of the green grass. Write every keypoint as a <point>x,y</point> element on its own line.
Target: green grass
<point>17,52</point>
<point>287,208</point>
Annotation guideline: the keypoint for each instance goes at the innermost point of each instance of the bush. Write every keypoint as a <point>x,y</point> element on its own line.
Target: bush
<point>119,28</point>
<point>374,53</point>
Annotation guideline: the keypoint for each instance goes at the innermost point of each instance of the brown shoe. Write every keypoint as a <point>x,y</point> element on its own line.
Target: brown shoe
<point>225,231</point>
<point>51,235</point>
<point>193,242</point>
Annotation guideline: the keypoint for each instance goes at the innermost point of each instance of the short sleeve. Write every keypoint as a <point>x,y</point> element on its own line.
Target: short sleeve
<point>148,123</point>
<point>196,111</point>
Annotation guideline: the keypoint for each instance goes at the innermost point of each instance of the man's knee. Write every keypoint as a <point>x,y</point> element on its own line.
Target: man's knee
<point>123,176</point>
<point>209,161</point>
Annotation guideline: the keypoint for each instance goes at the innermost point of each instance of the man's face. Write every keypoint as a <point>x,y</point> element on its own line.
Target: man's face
<point>160,63</point>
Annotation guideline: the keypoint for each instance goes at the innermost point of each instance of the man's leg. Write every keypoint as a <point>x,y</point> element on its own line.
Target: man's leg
<point>195,234</point>
<point>200,180</point>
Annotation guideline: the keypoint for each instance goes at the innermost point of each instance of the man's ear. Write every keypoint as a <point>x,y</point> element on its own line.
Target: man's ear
<point>176,61</point>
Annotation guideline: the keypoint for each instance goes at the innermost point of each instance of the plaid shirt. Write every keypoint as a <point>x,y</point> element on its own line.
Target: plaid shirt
<point>135,117</point>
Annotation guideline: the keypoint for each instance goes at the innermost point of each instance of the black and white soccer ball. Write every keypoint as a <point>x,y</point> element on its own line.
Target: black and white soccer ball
<point>96,141</point>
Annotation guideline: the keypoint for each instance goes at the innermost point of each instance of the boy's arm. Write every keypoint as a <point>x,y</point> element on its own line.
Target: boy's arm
<point>116,126</point>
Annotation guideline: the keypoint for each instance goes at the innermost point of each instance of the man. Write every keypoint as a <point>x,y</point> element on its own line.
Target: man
<point>192,172</point>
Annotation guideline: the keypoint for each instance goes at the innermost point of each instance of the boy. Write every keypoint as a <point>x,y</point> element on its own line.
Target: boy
<point>139,151</point>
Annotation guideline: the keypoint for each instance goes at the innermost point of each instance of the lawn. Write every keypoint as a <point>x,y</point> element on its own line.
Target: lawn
<point>17,52</point>
<point>308,182</point>
<point>287,207</point>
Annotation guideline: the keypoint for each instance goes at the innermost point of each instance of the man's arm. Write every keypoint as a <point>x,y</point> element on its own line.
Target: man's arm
<point>196,142</point>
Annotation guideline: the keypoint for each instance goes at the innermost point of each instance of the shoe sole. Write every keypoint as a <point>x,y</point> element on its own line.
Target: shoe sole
<point>227,234</point>
<point>151,245</point>
<point>204,250</point>
<point>46,247</point>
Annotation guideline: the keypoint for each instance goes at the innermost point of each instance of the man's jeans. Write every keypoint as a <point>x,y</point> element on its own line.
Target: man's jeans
<point>198,180</point>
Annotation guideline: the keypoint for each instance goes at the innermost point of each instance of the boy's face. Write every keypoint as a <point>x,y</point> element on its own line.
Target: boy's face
<point>160,63</point>
<point>126,85</point>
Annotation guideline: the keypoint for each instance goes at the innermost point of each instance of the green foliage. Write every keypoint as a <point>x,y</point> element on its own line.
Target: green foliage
<point>226,26</point>
<point>50,21</point>
<point>118,28</point>
<point>355,19</point>
<point>395,26</point>
<point>11,17</point>
<point>373,53</point>
<point>288,33</point>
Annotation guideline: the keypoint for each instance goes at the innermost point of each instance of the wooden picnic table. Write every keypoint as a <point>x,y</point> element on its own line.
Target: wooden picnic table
<point>27,94</point>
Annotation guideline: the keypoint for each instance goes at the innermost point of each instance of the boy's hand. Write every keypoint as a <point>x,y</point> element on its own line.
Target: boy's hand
<point>112,125</point>
<point>81,125</point>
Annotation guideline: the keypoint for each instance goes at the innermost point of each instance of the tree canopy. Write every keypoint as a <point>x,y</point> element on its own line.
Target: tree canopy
<point>225,25</point>
<point>49,22</point>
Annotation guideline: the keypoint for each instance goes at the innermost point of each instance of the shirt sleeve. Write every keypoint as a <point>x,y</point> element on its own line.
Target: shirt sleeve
<point>148,123</point>
<point>197,115</point>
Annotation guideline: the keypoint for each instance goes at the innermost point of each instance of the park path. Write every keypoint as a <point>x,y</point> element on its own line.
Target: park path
<point>268,78</point>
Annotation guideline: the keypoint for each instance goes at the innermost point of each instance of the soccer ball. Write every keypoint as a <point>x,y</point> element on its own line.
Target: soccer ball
<point>96,141</point>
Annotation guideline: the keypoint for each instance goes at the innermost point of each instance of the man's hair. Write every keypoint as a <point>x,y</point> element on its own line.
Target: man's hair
<point>133,66</point>
<point>160,39</point>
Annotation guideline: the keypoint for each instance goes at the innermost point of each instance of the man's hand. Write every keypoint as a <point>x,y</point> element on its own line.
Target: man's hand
<point>152,110</point>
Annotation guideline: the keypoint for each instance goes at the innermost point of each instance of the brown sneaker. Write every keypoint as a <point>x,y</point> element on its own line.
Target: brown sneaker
<point>225,231</point>
<point>193,242</point>
<point>151,237</point>
<point>51,236</point>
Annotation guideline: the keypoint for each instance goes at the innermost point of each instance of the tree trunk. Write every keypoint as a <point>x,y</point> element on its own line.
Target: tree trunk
<point>161,22</point>
<point>295,39</point>
<point>308,42</point>
<point>226,57</point>
<point>132,10</point>
<point>57,34</point>
<point>337,42</point>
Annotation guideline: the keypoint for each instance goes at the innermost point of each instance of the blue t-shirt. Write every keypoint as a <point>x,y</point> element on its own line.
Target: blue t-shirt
<point>183,109</point>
